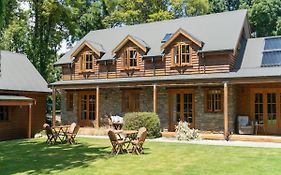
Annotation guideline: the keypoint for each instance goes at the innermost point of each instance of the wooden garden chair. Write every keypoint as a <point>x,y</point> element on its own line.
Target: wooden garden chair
<point>117,145</point>
<point>138,143</point>
<point>71,128</point>
<point>71,134</point>
<point>142,129</point>
<point>51,136</point>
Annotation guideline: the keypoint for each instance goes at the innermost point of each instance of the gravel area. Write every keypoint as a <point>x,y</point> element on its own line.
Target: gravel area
<point>209,142</point>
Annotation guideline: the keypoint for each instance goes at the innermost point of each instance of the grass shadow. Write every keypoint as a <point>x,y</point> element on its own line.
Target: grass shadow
<point>35,156</point>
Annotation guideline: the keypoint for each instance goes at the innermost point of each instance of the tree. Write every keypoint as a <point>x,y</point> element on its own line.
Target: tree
<point>189,7</point>
<point>129,12</point>
<point>197,7</point>
<point>264,16</point>
<point>217,6</point>
<point>160,16</point>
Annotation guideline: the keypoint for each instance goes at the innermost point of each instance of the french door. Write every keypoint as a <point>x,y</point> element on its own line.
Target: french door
<point>87,108</point>
<point>266,109</point>
<point>181,108</point>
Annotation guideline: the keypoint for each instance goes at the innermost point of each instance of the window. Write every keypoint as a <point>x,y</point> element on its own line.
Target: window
<point>214,100</point>
<point>182,54</point>
<point>4,114</point>
<point>69,101</point>
<point>87,61</point>
<point>130,58</point>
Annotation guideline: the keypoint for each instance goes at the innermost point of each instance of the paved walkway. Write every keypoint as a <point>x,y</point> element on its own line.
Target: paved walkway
<point>208,142</point>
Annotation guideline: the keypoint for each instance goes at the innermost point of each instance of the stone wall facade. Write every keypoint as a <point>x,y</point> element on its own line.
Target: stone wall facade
<point>68,117</point>
<point>111,102</point>
<point>213,121</point>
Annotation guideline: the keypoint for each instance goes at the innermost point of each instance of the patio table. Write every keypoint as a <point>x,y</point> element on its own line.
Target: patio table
<point>129,135</point>
<point>60,132</point>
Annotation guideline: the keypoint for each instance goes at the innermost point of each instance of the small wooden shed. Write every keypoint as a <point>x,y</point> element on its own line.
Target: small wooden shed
<point>23,93</point>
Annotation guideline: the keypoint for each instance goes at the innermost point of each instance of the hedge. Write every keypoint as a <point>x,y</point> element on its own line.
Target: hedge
<point>149,120</point>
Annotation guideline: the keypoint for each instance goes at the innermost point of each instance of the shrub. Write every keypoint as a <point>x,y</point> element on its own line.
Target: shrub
<point>183,132</point>
<point>136,120</point>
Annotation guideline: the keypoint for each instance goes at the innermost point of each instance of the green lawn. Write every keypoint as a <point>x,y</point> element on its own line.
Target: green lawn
<point>91,156</point>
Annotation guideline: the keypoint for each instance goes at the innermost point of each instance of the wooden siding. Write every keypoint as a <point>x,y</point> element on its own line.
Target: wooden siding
<point>208,63</point>
<point>17,126</point>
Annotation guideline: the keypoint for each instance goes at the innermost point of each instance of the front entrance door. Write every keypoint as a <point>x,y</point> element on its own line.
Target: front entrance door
<point>87,108</point>
<point>266,110</point>
<point>181,108</point>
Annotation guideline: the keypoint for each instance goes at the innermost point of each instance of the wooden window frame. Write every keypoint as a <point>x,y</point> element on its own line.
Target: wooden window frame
<point>179,47</point>
<point>127,59</point>
<point>69,101</point>
<point>5,114</point>
<point>86,63</point>
<point>210,104</point>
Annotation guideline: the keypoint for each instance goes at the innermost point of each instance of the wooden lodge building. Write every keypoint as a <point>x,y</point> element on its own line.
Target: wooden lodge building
<point>206,70</point>
<point>22,97</point>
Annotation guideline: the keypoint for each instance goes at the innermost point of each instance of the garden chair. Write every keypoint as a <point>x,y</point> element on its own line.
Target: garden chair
<point>71,128</point>
<point>138,143</point>
<point>70,136</point>
<point>142,129</point>
<point>245,126</point>
<point>117,145</point>
<point>51,136</point>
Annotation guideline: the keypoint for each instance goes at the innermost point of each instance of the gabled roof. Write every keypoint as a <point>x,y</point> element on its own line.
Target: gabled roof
<point>219,31</point>
<point>187,35</point>
<point>137,41</point>
<point>96,47</point>
<point>18,74</point>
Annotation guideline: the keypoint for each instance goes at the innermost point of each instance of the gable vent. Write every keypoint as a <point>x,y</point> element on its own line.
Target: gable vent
<point>166,37</point>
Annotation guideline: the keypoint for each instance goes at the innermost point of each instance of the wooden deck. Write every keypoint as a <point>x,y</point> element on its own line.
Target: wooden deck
<point>234,137</point>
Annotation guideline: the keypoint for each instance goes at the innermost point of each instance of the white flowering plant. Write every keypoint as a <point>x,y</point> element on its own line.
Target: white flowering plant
<point>183,132</point>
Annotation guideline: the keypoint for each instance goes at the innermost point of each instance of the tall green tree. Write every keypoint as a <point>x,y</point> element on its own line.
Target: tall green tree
<point>190,7</point>
<point>264,17</point>
<point>217,6</point>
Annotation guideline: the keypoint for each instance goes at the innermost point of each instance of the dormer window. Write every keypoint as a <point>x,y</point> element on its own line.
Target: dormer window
<point>182,54</point>
<point>87,61</point>
<point>130,59</point>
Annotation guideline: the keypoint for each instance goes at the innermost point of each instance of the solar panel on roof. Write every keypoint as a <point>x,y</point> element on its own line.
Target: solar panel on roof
<point>166,37</point>
<point>271,58</point>
<point>272,43</point>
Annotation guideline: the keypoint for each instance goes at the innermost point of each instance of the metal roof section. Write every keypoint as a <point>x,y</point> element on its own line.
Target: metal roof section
<point>14,98</point>
<point>242,73</point>
<point>18,74</point>
<point>97,46</point>
<point>218,31</point>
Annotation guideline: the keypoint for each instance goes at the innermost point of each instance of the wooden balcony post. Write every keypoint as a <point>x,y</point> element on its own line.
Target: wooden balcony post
<point>29,120</point>
<point>154,98</point>
<point>54,107</point>
<point>225,111</point>
<point>97,106</point>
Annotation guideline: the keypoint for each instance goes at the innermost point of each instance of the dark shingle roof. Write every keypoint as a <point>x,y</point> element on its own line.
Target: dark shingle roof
<point>219,31</point>
<point>18,74</point>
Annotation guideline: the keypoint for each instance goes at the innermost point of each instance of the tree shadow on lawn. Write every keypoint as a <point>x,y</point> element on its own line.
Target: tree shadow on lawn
<point>35,157</point>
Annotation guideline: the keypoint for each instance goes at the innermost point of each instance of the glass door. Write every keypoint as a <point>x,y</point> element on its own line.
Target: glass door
<point>181,108</point>
<point>267,110</point>
<point>87,109</point>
